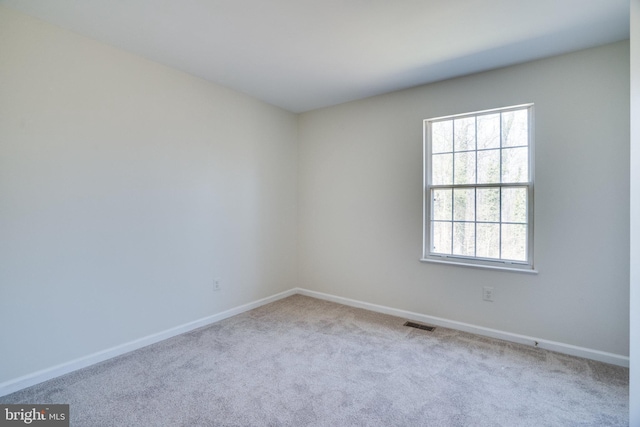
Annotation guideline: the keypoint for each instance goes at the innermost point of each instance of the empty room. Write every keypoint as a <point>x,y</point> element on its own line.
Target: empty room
<point>319,213</point>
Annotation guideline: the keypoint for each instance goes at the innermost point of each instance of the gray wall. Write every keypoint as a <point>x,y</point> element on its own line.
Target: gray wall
<point>634,392</point>
<point>360,202</point>
<point>125,188</point>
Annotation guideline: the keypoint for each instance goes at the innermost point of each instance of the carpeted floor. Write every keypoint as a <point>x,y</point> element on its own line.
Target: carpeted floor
<point>306,362</point>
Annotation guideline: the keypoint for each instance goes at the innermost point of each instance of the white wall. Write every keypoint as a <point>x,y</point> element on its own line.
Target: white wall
<point>360,199</point>
<point>634,392</point>
<point>125,188</point>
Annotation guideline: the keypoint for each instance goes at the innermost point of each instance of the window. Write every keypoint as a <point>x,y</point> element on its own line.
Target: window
<point>478,188</point>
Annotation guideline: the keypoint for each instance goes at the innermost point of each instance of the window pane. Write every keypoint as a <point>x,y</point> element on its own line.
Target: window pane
<point>488,204</point>
<point>515,165</point>
<point>465,168</point>
<point>442,205</point>
<point>465,134</point>
<point>442,137</point>
<point>488,241</point>
<point>514,128</point>
<point>489,167</point>
<point>464,238</point>
<point>489,131</point>
<point>479,172</point>
<point>442,169</point>
<point>514,205</point>
<point>442,237</point>
<point>464,205</point>
<point>514,242</point>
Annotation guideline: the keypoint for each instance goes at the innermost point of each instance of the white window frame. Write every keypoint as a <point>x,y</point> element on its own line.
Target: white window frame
<point>428,255</point>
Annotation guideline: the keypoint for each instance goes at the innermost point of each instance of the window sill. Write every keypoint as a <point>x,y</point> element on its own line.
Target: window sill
<point>483,266</point>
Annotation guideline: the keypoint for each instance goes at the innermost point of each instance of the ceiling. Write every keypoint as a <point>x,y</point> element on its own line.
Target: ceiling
<point>306,54</point>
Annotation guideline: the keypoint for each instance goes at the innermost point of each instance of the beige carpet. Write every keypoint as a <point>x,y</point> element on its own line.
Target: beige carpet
<point>305,362</point>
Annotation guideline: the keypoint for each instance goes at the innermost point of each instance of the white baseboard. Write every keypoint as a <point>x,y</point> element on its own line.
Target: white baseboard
<point>587,353</point>
<point>28,380</point>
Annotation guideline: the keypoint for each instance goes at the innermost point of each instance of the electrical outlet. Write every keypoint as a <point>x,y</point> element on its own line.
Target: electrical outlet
<point>487,293</point>
<point>216,284</point>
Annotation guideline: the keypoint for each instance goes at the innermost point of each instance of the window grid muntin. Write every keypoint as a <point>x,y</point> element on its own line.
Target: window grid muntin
<point>500,222</point>
<point>429,202</point>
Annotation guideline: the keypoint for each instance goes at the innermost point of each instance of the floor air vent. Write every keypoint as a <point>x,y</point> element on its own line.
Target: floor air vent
<point>419,326</point>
